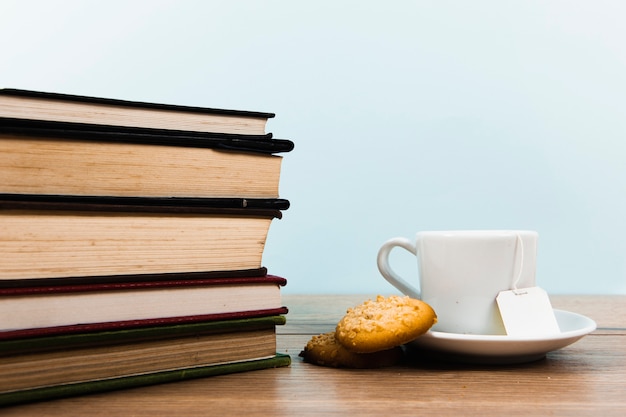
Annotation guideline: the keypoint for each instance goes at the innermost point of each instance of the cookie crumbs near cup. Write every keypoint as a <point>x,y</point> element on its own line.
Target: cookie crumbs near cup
<point>371,334</point>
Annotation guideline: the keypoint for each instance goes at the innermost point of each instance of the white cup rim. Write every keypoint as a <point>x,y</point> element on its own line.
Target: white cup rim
<point>477,232</point>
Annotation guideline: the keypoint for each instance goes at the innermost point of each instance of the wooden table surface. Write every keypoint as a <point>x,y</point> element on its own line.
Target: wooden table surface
<point>587,378</point>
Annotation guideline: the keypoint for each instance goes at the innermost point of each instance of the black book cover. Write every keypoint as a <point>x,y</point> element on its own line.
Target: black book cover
<point>184,205</point>
<point>166,137</point>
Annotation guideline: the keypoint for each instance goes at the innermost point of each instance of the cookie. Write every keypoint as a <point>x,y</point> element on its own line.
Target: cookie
<point>324,350</point>
<point>384,323</point>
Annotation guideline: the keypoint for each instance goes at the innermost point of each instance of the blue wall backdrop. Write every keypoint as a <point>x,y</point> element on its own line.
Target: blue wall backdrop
<point>407,115</point>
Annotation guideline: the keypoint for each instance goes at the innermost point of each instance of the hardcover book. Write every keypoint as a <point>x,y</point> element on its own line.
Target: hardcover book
<point>133,304</point>
<point>25,104</point>
<point>65,236</point>
<point>139,380</point>
<point>47,367</point>
<point>44,158</point>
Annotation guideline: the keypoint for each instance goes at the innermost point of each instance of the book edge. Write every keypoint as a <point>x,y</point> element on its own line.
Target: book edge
<point>259,207</point>
<point>233,142</point>
<point>92,387</point>
<point>131,278</point>
<point>117,336</point>
<point>130,325</point>
<point>141,285</point>
<point>130,103</point>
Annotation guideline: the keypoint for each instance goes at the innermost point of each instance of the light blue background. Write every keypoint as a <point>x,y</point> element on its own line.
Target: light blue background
<point>406,115</point>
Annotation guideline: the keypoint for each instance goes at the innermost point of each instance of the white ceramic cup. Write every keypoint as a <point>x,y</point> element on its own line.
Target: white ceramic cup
<point>462,272</point>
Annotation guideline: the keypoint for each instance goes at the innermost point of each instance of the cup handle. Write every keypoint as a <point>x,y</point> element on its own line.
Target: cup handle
<point>388,273</point>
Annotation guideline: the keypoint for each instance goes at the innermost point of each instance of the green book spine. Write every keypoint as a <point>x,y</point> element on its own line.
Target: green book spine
<point>92,387</point>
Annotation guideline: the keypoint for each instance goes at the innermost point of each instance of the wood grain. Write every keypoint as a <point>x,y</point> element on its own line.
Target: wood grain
<point>587,378</point>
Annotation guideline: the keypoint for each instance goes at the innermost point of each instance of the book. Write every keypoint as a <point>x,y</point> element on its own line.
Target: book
<point>133,381</point>
<point>50,166</point>
<point>59,309</point>
<point>116,336</point>
<point>48,367</point>
<point>88,161</point>
<point>25,104</point>
<point>68,236</point>
<point>131,243</point>
<point>130,278</point>
<point>264,144</point>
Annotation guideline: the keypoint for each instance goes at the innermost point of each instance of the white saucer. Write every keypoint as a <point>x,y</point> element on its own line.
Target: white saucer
<point>496,349</point>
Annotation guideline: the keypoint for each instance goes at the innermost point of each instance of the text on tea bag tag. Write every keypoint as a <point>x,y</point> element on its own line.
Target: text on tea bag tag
<point>526,311</point>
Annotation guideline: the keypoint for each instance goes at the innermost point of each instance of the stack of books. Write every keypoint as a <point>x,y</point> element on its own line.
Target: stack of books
<point>131,243</point>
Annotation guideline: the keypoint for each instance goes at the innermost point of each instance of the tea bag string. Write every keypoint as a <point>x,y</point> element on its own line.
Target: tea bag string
<point>521,265</point>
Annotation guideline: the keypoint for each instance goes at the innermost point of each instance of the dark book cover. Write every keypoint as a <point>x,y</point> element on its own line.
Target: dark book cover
<point>167,137</point>
<point>258,207</point>
<point>176,280</point>
<point>130,278</point>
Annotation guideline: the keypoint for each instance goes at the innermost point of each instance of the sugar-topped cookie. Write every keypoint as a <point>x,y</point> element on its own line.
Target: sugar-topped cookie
<point>384,323</point>
<point>324,350</point>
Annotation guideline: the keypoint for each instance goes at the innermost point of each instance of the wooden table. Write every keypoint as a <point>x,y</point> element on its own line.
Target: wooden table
<point>587,378</point>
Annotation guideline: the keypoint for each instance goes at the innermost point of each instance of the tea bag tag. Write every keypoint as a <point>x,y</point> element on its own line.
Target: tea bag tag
<point>527,312</point>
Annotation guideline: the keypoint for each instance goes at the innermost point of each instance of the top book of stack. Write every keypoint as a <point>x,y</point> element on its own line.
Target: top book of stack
<point>24,104</point>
